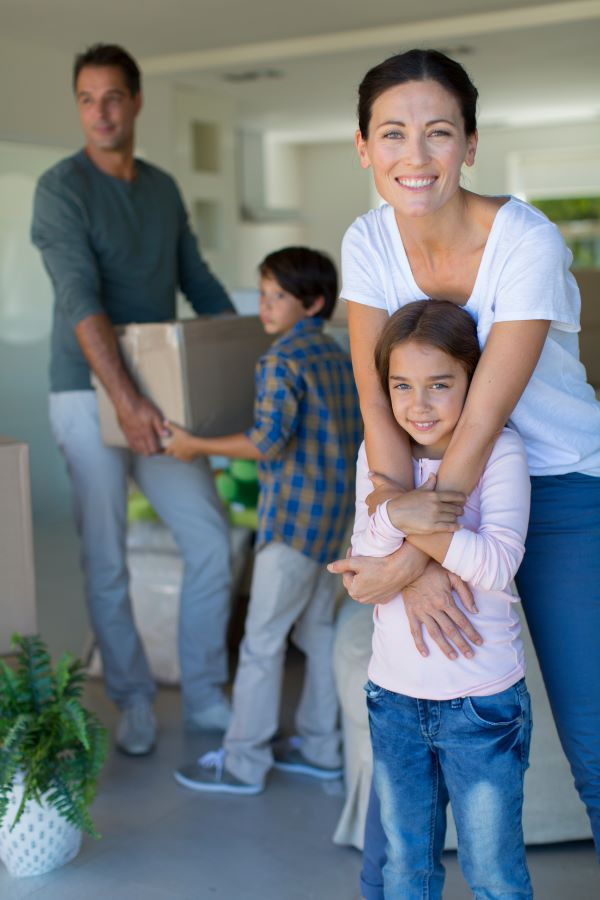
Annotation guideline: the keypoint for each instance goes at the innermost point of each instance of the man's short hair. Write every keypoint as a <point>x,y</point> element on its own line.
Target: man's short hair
<point>109,55</point>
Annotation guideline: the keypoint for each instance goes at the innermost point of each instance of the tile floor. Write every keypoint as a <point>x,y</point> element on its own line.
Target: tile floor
<point>161,842</point>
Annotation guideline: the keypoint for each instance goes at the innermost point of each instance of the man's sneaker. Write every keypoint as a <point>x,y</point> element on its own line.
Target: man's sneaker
<point>212,718</point>
<point>136,732</point>
<point>209,774</point>
<point>288,757</point>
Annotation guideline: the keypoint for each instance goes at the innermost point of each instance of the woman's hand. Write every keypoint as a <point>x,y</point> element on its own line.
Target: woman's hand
<point>378,579</point>
<point>421,511</point>
<point>429,602</point>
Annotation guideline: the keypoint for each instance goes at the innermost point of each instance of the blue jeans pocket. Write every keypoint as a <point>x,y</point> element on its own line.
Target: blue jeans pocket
<point>501,710</point>
<point>373,691</point>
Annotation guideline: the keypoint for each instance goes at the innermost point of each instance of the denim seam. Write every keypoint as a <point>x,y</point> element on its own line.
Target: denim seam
<point>434,803</point>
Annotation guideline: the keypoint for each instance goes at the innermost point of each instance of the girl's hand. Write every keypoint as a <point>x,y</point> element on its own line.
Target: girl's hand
<point>421,511</point>
<point>383,489</point>
<point>428,602</point>
<point>180,444</point>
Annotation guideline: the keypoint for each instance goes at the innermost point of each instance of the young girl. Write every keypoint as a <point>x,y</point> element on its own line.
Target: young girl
<point>447,730</point>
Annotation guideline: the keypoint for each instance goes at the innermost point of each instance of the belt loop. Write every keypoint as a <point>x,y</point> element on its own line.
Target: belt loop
<point>456,703</point>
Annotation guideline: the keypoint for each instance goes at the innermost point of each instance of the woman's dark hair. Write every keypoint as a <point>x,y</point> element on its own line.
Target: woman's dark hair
<point>418,65</point>
<point>100,55</point>
<point>439,323</point>
<point>306,274</point>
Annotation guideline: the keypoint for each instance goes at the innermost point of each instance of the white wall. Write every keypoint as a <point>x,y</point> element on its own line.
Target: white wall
<point>335,190</point>
<point>35,96</point>
<point>325,187</point>
<point>490,174</point>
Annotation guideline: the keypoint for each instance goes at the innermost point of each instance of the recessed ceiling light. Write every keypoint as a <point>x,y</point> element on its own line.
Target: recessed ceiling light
<point>251,75</point>
<point>457,50</point>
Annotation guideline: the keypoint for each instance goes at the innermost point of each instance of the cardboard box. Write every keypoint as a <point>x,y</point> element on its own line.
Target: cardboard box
<point>17,581</point>
<point>199,372</point>
<point>589,339</point>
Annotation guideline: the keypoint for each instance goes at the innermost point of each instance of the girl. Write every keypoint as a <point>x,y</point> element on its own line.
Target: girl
<point>442,729</point>
<point>508,265</point>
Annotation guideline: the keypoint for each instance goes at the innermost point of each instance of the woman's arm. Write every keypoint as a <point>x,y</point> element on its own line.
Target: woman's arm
<point>490,555</point>
<point>511,353</point>
<point>388,449</point>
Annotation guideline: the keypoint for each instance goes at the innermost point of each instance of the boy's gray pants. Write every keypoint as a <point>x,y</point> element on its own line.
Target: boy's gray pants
<point>288,589</point>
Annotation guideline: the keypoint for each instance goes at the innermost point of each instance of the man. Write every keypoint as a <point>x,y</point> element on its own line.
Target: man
<point>116,242</point>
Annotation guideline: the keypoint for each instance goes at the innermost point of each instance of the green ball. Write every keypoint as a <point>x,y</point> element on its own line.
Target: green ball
<point>243,470</point>
<point>226,487</point>
<point>139,509</point>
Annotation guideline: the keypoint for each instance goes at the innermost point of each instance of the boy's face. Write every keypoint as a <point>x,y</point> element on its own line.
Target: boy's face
<point>280,310</point>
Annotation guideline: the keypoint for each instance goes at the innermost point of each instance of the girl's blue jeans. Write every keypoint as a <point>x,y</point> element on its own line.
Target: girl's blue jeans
<point>559,584</point>
<point>472,751</point>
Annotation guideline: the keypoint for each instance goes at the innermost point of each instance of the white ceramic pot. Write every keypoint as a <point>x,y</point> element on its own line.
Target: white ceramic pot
<point>41,841</point>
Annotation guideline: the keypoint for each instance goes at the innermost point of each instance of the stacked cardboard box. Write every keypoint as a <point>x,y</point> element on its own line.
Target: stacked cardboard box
<point>17,580</point>
<point>589,339</point>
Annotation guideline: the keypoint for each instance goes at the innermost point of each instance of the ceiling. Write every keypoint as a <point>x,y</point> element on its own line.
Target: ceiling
<point>298,63</point>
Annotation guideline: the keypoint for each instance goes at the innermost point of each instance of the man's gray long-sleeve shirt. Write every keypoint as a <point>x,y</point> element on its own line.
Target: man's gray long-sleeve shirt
<point>115,247</point>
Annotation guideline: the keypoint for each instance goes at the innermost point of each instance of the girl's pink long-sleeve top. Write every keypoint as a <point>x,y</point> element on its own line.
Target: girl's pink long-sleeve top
<point>486,553</point>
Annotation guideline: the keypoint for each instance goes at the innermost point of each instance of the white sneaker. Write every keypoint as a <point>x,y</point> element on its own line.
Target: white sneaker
<point>215,717</point>
<point>209,774</point>
<point>136,732</point>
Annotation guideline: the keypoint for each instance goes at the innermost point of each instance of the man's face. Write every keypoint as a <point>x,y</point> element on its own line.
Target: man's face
<point>107,110</point>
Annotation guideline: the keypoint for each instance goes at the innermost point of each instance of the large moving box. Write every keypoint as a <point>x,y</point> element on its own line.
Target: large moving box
<point>589,339</point>
<point>17,580</point>
<point>199,372</point>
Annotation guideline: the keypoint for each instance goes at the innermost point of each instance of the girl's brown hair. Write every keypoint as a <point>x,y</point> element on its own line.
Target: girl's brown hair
<point>440,323</point>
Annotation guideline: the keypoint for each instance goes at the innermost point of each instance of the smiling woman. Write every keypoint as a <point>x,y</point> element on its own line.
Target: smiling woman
<point>507,265</point>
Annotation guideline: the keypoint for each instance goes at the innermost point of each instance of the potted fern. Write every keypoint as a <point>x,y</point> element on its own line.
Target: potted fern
<point>51,753</point>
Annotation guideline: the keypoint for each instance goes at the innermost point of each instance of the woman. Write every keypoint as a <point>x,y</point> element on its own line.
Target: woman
<point>508,266</point>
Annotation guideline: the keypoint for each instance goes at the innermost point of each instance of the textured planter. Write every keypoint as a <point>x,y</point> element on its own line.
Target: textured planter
<point>41,841</point>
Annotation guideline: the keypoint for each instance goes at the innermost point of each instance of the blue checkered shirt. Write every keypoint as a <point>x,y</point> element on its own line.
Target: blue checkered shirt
<point>307,424</point>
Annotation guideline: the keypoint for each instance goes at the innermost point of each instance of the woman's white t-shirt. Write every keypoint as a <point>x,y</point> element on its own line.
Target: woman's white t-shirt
<point>523,274</point>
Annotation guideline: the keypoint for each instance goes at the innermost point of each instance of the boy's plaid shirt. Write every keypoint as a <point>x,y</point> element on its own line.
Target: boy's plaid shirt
<point>307,423</point>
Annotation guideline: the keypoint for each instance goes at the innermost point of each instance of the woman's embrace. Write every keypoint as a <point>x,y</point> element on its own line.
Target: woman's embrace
<point>507,265</point>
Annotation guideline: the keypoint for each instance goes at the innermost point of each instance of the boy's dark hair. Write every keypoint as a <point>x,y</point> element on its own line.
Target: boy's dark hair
<point>437,322</point>
<point>418,65</point>
<point>306,274</point>
<point>100,55</point>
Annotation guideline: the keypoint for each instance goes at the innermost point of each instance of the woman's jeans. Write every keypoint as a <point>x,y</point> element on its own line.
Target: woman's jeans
<point>559,585</point>
<point>472,751</point>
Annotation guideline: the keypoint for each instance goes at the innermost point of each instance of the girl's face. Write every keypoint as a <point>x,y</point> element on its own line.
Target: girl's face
<point>427,391</point>
<point>416,147</point>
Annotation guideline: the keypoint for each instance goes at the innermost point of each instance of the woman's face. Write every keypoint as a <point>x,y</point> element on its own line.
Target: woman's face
<point>416,147</point>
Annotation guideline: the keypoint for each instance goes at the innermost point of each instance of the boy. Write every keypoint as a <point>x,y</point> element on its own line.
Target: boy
<point>305,436</point>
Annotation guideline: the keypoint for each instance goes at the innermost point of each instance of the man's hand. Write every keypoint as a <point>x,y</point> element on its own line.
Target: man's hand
<point>377,579</point>
<point>142,424</point>
<point>429,602</point>
<point>140,420</point>
<point>421,511</point>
